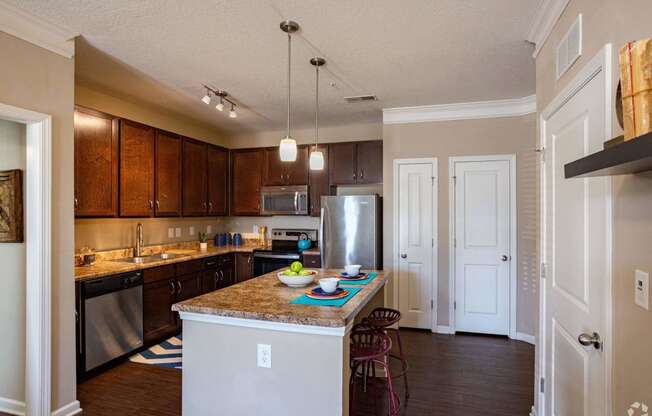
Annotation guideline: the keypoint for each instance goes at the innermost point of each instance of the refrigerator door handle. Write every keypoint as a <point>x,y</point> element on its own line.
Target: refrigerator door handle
<point>321,238</point>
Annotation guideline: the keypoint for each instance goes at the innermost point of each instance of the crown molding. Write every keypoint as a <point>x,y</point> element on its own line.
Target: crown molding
<point>544,22</point>
<point>37,31</point>
<point>461,111</point>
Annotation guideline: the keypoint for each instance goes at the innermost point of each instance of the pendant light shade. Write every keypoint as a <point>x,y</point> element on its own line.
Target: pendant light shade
<point>288,146</point>
<point>316,155</point>
<point>316,159</point>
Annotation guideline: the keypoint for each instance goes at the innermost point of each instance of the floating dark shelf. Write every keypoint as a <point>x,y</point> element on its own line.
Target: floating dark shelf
<point>632,156</point>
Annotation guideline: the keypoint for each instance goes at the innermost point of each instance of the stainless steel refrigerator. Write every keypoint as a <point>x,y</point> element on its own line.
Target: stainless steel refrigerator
<point>351,231</point>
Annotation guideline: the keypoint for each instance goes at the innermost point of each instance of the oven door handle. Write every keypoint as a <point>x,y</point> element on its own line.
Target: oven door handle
<point>277,256</point>
<point>296,202</point>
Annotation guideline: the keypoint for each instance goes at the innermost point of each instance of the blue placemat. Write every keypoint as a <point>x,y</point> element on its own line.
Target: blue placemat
<point>369,278</point>
<point>338,303</point>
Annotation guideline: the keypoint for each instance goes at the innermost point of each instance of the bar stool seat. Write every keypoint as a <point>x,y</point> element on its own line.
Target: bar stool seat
<point>383,319</point>
<point>370,347</point>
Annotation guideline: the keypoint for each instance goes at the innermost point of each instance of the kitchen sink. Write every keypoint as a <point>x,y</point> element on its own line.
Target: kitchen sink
<point>150,259</point>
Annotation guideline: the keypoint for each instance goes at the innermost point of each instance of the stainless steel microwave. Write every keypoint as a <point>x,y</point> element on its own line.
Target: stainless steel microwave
<point>284,200</point>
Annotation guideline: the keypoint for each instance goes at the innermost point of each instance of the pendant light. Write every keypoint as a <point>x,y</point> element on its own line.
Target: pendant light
<point>288,146</point>
<point>316,155</point>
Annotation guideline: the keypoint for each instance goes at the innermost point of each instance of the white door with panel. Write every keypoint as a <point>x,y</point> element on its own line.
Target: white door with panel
<point>482,245</point>
<point>577,247</point>
<point>416,220</point>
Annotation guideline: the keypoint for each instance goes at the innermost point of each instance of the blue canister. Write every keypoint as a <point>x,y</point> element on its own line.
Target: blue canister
<point>229,239</point>
<point>221,240</point>
<point>237,239</point>
<point>216,240</point>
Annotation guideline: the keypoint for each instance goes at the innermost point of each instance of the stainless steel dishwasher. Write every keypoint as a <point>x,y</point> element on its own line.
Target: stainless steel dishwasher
<point>111,315</point>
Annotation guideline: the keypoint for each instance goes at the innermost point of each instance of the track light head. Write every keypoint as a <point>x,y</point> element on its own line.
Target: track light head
<point>232,113</point>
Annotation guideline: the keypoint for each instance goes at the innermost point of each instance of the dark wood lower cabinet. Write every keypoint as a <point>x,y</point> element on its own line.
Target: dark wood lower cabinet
<point>159,322</point>
<point>244,267</point>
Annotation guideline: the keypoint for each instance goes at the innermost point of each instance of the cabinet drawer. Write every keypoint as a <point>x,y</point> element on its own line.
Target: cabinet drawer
<point>225,259</point>
<point>312,261</point>
<point>188,267</point>
<point>211,263</point>
<point>158,273</point>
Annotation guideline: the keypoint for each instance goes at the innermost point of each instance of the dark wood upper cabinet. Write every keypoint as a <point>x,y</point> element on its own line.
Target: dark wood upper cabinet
<point>136,169</point>
<point>168,175</point>
<point>276,172</point>
<point>356,163</point>
<point>194,188</point>
<point>319,185</point>
<point>342,167</point>
<point>96,164</point>
<point>370,162</point>
<point>246,180</point>
<point>218,180</point>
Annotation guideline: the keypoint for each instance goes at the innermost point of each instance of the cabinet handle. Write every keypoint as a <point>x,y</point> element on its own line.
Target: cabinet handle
<point>179,288</point>
<point>249,259</point>
<point>76,202</point>
<point>216,278</point>
<point>158,204</point>
<point>361,173</point>
<point>151,204</point>
<point>172,287</point>
<point>354,176</point>
<point>210,206</point>
<point>203,205</point>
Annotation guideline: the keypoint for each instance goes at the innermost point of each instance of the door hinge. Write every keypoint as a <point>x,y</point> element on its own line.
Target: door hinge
<point>432,304</point>
<point>542,385</point>
<point>454,305</point>
<point>541,151</point>
<point>543,270</point>
<point>433,180</point>
<point>433,242</point>
<point>454,180</point>
<point>454,242</point>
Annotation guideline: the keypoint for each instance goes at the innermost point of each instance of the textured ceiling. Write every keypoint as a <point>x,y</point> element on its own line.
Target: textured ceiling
<point>409,52</point>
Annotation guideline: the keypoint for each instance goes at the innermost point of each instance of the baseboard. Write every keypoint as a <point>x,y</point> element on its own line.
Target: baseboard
<point>443,329</point>
<point>71,409</point>
<point>530,339</point>
<point>13,407</point>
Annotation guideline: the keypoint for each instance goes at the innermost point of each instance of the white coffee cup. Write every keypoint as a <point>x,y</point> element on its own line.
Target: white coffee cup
<point>352,269</point>
<point>329,284</point>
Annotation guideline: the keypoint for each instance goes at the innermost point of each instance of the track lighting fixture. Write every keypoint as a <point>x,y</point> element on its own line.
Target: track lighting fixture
<point>222,95</point>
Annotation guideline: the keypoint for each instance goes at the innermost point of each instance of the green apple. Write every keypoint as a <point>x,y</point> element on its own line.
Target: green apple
<point>296,266</point>
<point>304,272</point>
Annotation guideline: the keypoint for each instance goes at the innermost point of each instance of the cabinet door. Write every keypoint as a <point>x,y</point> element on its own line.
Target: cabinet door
<point>218,185</point>
<point>136,169</point>
<point>246,169</point>
<point>227,270</point>
<point>297,172</point>
<point>319,185</point>
<point>274,171</point>
<point>158,319</point>
<point>194,178</point>
<point>342,169</point>
<point>96,164</point>
<point>188,286</point>
<point>244,267</point>
<point>210,280</point>
<point>370,162</point>
<point>167,175</point>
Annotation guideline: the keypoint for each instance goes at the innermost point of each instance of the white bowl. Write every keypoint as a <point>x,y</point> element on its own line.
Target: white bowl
<point>352,269</point>
<point>297,281</point>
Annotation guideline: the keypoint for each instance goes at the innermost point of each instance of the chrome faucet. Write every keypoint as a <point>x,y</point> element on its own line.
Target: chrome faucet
<point>138,251</point>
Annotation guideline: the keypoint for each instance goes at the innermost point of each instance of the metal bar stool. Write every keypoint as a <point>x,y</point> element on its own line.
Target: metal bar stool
<point>382,319</point>
<point>370,347</point>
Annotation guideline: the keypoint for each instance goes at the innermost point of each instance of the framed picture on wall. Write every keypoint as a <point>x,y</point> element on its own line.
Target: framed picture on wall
<point>11,206</point>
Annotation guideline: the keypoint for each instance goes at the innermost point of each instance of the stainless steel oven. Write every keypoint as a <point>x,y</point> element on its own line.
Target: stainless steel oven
<point>284,200</point>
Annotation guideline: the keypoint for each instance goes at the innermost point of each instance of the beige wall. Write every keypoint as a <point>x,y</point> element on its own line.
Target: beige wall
<point>12,283</point>
<point>616,22</point>
<point>36,79</point>
<point>515,135</point>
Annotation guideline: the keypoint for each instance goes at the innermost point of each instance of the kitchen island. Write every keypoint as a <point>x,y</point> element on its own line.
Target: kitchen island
<point>224,330</point>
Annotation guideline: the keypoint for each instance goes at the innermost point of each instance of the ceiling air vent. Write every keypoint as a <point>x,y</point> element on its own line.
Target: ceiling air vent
<point>360,98</point>
<point>570,48</point>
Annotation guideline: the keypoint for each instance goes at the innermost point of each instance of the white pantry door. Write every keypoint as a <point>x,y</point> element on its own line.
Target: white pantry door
<point>576,244</point>
<point>482,246</point>
<point>416,216</point>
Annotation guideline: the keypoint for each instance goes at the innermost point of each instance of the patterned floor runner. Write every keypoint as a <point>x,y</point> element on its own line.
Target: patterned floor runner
<point>166,354</point>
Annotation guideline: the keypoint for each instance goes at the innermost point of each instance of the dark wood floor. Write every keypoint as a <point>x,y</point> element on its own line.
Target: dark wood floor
<point>449,375</point>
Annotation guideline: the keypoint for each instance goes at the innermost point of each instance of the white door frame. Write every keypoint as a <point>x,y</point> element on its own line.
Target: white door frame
<point>513,248</point>
<point>38,240</point>
<point>435,215</point>
<point>602,62</point>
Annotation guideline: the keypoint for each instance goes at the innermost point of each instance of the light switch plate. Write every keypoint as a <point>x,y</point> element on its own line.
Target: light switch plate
<point>170,232</point>
<point>177,232</point>
<point>264,358</point>
<point>642,289</point>
<point>191,230</point>
<point>209,229</point>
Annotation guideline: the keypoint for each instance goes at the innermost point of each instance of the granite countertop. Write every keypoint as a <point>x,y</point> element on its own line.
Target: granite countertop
<point>265,298</point>
<point>108,267</point>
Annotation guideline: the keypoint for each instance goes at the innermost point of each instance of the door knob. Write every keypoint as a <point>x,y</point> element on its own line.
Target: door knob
<point>590,339</point>
<point>404,255</point>
<point>504,257</point>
